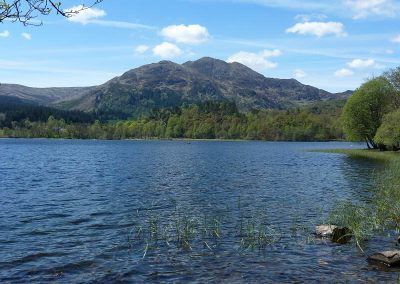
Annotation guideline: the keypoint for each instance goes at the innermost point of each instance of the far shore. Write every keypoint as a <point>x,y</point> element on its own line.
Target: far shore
<point>175,139</point>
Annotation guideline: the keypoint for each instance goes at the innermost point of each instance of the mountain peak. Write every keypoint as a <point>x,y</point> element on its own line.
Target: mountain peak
<point>220,70</point>
<point>168,84</point>
<point>206,60</point>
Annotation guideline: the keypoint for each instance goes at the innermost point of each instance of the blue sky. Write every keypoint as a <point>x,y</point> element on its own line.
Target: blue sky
<point>334,45</point>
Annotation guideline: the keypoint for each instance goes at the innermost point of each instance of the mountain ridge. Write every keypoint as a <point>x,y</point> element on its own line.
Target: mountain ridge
<point>168,84</point>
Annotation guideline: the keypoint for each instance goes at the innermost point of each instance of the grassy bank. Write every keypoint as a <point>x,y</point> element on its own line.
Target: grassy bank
<point>381,215</point>
<point>386,156</point>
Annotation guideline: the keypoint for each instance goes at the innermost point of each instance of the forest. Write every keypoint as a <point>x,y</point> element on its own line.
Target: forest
<point>210,120</point>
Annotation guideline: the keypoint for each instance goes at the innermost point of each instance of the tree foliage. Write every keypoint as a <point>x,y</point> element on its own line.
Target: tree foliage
<point>363,112</point>
<point>211,120</point>
<point>25,11</point>
<point>388,133</point>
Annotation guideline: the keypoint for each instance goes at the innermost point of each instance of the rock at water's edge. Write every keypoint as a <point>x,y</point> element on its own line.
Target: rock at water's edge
<point>389,258</point>
<point>324,231</point>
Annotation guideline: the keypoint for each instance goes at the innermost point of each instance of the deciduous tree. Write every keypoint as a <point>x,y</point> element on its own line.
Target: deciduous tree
<point>363,112</point>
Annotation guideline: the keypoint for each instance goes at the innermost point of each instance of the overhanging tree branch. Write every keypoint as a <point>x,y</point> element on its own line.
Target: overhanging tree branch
<point>26,11</point>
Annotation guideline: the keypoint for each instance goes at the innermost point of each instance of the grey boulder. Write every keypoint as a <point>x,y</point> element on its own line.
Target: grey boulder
<point>389,258</point>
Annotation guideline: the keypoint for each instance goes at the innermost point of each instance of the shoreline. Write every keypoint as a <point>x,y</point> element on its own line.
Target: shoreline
<point>176,139</point>
<point>386,156</point>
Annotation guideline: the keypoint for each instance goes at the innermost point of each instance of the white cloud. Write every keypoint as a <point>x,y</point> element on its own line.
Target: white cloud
<point>310,17</point>
<point>310,5</point>
<point>318,29</point>
<point>5,34</point>
<point>26,36</point>
<point>191,34</point>
<point>271,53</point>
<point>344,73</point>
<point>167,50</point>
<point>359,63</point>
<point>120,25</point>
<point>93,15</point>
<point>356,9</point>
<point>364,8</point>
<point>299,73</point>
<point>257,61</point>
<point>85,15</point>
<point>140,49</point>
<point>396,39</point>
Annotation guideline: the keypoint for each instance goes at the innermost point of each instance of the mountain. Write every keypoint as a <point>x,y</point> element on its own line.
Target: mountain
<point>44,96</point>
<point>167,84</point>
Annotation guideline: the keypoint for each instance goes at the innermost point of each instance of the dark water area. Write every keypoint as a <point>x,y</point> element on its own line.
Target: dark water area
<point>69,208</point>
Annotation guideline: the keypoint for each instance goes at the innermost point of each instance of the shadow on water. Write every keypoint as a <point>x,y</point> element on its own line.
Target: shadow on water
<point>364,171</point>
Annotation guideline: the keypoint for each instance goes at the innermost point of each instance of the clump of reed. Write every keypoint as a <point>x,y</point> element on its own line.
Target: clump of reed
<point>186,231</point>
<point>382,213</point>
<point>255,234</point>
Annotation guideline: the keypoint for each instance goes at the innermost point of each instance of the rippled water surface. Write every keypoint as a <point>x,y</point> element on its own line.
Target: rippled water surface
<point>69,209</point>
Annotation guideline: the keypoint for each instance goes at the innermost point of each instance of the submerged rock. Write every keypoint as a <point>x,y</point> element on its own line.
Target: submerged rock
<point>389,258</point>
<point>337,234</point>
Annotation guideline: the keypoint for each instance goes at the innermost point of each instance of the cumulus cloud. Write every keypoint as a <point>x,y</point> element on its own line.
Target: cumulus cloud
<point>396,39</point>
<point>191,34</point>
<point>5,34</point>
<point>85,15</point>
<point>344,73</point>
<point>299,73</point>
<point>167,50</point>
<point>318,29</point>
<point>26,36</point>
<point>365,8</point>
<point>257,61</point>
<point>140,49</point>
<point>360,63</point>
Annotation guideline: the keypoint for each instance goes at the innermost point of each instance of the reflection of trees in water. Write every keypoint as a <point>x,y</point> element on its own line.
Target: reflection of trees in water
<point>362,175</point>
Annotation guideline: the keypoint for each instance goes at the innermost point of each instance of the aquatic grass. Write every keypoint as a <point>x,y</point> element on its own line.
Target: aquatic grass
<point>382,213</point>
<point>259,236</point>
<point>384,156</point>
<point>189,232</point>
<point>359,219</point>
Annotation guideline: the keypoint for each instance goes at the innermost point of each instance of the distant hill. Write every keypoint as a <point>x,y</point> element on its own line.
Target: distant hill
<point>13,109</point>
<point>44,96</point>
<point>167,84</point>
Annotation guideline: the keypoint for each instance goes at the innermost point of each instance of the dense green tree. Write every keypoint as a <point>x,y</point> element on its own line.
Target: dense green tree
<point>204,121</point>
<point>363,112</point>
<point>388,133</point>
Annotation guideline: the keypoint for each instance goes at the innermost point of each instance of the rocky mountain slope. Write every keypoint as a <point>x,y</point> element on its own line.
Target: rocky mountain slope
<point>167,84</point>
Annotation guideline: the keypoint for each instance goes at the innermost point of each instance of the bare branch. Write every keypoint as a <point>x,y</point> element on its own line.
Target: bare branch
<point>26,11</point>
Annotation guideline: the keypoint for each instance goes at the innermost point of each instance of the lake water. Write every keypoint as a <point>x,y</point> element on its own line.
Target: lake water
<point>69,210</point>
